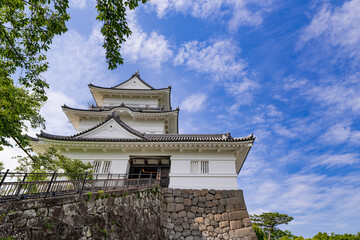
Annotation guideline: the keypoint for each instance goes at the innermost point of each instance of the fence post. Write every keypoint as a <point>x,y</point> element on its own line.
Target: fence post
<point>19,188</point>
<point>3,179</point>
<point>150,179</point>
<point>51,181</point>
<point>139,179</point>
<point>83,185</point>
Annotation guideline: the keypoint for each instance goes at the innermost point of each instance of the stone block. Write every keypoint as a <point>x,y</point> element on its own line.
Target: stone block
<point>187,202</point>
<point>30,213</point>
<point>199,220</point>
<point>222,202</point>
<point>247,222</point>
<point>182,214</point>
<point>218,230</point>
<point>56,213</point>
<point>177,192</point>
<point>195,201</point>
<point>220,209</point>
<point>196,233</point>
<point>202,199</point>
<point>19,222</point>
<point>178,228</point>
<point>208,204</point>
<point>209,197</point>
<point>238,215</point>
<point>215,202</point>
<point>169,200</point>
<point>200,210</point>
<point>185,225</point>
<point>179,207</point>
<point>203,192</point>
<point>190,215</point>
<point>194,226</point>
<point>196,193</point>
<point>218,196</point>
<point>226,229</point>
<point>207,222</point>
<point>223,224</point>
<point>179,221</point>
<point>210,228</point>
<point>179,200</point>
<point>236,225</point>
<point>171,207</point>
<point>212,191</point>
<point>243,232</point>
<point>174,216</point>
<point>16,215</point>
<point>218,217</point>
<point>202,227</point>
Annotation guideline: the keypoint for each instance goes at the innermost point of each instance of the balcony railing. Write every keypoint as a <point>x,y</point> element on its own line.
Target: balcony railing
<point>19,186</point>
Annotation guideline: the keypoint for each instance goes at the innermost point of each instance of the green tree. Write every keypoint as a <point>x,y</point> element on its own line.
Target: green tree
<point>269,221</point>
<point>27,29</point>
<point>52,161</point>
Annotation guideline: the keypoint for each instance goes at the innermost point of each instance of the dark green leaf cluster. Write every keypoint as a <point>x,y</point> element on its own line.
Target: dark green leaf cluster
<point>115,28</point>
<point>27,29</point>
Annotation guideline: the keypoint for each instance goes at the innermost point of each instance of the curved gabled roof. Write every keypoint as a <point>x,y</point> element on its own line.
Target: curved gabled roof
<point>223,137</point>
<point>109,108</point>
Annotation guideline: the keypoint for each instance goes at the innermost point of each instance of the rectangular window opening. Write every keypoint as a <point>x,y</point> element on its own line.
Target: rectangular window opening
<point>195,169</point>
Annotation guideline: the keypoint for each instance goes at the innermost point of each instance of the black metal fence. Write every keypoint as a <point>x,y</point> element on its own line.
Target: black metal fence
<point>18,186</point>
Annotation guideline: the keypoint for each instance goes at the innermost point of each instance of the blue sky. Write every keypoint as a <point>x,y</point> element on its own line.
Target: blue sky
<point>288,71</point>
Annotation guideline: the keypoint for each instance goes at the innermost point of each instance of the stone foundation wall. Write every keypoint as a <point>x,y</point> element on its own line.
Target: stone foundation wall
<point>150,213</point>
<point>206,214</point>
<point>131,214</point>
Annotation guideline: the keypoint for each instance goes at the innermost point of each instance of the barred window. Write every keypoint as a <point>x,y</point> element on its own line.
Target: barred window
<point>204,167</point>
<point>96,166</point>
<point>106,167</point>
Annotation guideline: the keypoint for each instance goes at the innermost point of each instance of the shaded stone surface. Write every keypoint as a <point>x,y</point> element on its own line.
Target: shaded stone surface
<point>160,214</point>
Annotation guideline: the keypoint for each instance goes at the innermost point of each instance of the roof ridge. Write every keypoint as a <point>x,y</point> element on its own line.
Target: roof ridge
<point>136,74</point>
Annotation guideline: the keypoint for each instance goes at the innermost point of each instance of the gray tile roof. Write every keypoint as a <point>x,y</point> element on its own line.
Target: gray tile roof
<point>225,137</point>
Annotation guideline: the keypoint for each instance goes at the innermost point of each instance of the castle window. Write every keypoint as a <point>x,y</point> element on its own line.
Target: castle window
<point>97,165</point>
<point>106,167</point>
<point>203,168</point>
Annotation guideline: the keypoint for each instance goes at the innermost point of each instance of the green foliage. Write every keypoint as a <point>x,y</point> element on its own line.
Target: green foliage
<point>100,194</point>
<point>104,232</point>
<point>27,29</point>
<point>259,232</point>
<point>89,194</point>
<point>1,167</point>
<point>268,222</point>
<point>52,161</point>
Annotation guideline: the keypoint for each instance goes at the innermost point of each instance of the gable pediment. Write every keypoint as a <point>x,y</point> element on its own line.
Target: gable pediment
<point>133,83</point>
<point>110,129</point>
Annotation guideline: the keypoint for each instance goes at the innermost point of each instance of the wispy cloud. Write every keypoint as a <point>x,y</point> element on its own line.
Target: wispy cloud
<point>152,48</point>
<point>336,26</point>
<point>194,102</point>
<point>240,12</point>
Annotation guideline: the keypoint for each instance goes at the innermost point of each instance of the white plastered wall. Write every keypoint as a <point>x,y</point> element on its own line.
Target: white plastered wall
<point>222,172</point>
<point>131,102</point>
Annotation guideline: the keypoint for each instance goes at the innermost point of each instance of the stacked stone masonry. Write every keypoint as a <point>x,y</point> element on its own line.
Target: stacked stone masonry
<point>206,214</point>
<point>149,213</point>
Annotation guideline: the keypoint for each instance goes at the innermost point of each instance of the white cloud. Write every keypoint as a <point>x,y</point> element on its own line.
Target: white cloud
<point>194,102</point>
<point>338,26</point>
<point>338,133</point>
<point>336,160</point>
<point>151,48</point>
<point>77,4</point>
<point>240,12</point>
<point>218,58</point>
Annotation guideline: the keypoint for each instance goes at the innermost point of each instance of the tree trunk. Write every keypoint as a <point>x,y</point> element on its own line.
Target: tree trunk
<point>269,238</point>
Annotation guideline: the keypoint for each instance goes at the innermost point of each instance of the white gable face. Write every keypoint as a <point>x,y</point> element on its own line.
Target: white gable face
<point>133,83</point>
<point>110,129</point>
